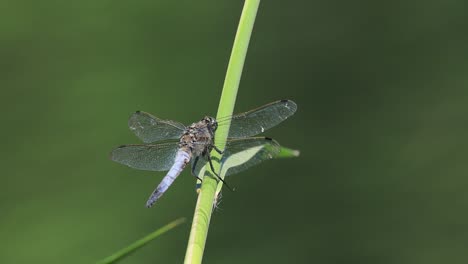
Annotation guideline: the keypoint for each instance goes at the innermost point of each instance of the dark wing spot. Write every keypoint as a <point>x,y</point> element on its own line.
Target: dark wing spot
<point>137,111</point>
<point>284,100</point>
<point>267,138</point>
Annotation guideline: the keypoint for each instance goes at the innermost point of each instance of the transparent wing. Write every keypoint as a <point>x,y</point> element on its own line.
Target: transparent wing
<point>241,154</point>
<point>258,120</point>
<point>150,128</point>
<point>199,166</point>
<point>158,157</point>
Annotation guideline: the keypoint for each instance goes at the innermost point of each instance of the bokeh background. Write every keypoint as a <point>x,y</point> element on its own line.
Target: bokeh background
<point>382,128</point>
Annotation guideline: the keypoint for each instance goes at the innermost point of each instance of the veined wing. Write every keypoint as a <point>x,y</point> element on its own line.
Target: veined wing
<point>258,120</point>
<point>150,128</point>
<point>157,157</point>
<point>243,153</point>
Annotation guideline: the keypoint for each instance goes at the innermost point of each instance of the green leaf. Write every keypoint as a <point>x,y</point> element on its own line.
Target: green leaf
<point>287,153</point>
<point>141,242</point>
<point>244,156</point>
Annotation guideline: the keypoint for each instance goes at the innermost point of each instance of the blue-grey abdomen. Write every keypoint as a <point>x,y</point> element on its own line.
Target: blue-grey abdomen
<point>181,160</point>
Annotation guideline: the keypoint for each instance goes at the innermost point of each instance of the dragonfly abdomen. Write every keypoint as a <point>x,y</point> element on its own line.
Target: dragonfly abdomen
<point>181,160</point>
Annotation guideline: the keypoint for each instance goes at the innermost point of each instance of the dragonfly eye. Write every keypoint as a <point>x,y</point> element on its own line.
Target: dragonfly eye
<point>211,122</point>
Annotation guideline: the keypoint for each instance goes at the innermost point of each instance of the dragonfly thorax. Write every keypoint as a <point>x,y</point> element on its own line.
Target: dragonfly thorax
<point>198,137</point>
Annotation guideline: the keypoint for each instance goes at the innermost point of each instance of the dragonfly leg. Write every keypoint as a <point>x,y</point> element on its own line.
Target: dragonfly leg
<point>218,150</point>
<point>213,170</point>
<point>194,166</point>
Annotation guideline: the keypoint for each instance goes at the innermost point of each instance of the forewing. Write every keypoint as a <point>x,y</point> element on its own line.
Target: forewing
<point>150,128</point>
<point>241,154</point>
<point>259,120</point>
<point>157,157</point>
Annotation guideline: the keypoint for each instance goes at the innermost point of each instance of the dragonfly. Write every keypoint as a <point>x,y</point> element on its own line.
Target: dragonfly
<point>170,146</point>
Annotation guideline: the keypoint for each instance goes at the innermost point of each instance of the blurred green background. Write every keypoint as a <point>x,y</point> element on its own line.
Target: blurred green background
<point>382,128</point>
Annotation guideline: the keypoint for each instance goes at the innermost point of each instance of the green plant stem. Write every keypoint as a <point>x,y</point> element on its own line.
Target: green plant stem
<point>207,195</point>
<point>141,242</point>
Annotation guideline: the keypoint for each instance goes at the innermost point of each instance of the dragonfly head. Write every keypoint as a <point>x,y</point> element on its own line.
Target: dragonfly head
<point>211,122</point>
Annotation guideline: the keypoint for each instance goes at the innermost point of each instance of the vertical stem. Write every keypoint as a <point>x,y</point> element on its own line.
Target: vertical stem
<point>207,195</point>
